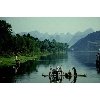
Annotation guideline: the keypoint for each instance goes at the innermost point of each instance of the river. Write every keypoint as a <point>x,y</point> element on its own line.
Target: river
<point>84,62</point>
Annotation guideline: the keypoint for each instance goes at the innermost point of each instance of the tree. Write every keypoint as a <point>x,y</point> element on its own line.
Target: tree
<point>5,29</point>
<point>25,44</point>
<point>5,36</point>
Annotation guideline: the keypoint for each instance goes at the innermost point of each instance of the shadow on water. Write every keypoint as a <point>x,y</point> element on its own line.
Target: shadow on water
<point>86,58</point>
<point>8,74</point>
<point>98,70</point>
<point>27,67</point>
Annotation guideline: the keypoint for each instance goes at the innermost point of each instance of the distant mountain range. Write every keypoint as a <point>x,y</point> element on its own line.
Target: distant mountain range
<point>89,43</point>
<point>61,37</point>
<point>79,35</point>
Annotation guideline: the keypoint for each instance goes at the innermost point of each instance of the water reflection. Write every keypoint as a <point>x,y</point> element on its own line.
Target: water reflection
<point>31,71</point>
<point>9,74</point>
<point>55,79</point>
<point>89,59</point>
<point>28,67</point>
<point>86,58</point>
<point>59,79</point>
<point>74,80</point>
<point>98,70</point>
<point>52,59</point>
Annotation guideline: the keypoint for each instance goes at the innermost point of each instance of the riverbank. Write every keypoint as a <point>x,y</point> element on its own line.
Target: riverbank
<point>11,61</point>
<point>5,62</point>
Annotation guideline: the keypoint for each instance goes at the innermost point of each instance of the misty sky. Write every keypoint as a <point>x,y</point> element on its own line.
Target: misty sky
<point>53,25</point>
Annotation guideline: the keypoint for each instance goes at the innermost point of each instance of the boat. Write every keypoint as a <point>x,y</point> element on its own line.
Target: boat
<point>58,72</point>
<point>83,75</point>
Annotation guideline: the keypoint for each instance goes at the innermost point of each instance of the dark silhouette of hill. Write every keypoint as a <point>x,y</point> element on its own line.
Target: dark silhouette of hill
<point>79,35</point>
<point>89,43</point>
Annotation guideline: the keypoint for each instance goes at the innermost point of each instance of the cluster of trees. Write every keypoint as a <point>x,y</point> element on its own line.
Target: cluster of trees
<point>26,44</point>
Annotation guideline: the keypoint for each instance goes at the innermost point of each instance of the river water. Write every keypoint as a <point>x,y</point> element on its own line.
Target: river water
<point>84,62</point>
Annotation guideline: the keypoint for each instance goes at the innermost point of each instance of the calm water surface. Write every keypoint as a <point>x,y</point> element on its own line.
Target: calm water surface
<point>84,62</point>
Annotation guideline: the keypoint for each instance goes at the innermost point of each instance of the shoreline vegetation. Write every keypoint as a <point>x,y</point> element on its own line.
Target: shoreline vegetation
<point>25,47</point>
<point>10,61</point>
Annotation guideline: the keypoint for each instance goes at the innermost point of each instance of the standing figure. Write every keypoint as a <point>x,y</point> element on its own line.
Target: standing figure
<point>98,60</point>
<point>97,64</point>
<point>60,69</point>
<point>17,61</point>
<point>50,69</point>
<point>16,58</point>
<point>98,56</point>
<point>69,73</point>
<point>75,74</point>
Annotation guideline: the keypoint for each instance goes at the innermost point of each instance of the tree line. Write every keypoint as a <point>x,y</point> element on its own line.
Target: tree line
<point>25,44</point>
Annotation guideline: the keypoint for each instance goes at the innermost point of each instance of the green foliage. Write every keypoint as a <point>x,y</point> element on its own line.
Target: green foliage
<point>25,45</point>
<point>5,36</point>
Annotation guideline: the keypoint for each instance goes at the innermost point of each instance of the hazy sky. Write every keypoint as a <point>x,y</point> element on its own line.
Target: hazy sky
<point>53,24</point>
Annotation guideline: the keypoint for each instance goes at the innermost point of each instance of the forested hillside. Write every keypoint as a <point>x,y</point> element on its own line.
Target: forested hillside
<point>89,43</point>
<point>69,38</point>
<point>25,44</point>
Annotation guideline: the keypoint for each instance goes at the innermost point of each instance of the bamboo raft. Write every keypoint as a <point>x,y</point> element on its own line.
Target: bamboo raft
<point>82,75</point>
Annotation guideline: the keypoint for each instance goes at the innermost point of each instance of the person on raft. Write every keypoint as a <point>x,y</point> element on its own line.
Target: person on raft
<point>69,73</point>
<point>75,74</point>
<point>98,56</point>
<point>50,69</point>
<point>60,69</point>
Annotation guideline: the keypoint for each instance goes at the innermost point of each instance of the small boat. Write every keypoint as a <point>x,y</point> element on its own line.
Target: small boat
<point>58,72</point>
<point>66,75</point>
